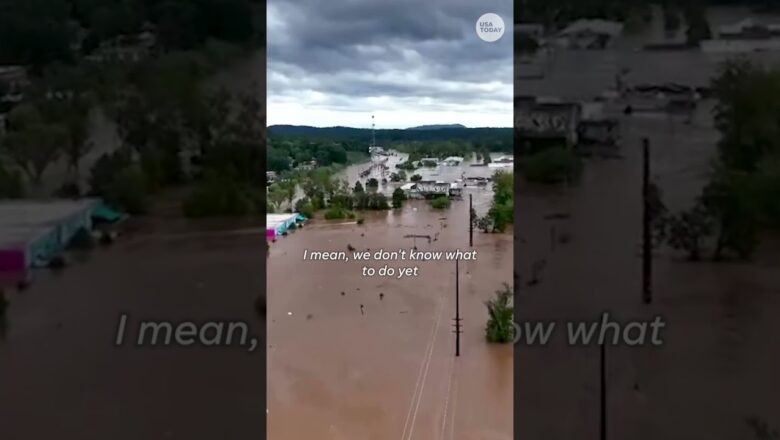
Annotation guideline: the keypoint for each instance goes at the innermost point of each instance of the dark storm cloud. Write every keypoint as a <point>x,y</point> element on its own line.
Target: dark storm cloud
<point>408,50</point>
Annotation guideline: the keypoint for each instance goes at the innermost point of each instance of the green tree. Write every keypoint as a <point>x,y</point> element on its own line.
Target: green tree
<point>745,115</point>
<point>277,196</point>
<point>500,327</point>
<point>688,229</point>
<point>398,198</point>
<point>731,199</point>
<point>33,143</point>
<point>501,211</point>
<point>303,206</point>
<point>289,188</point>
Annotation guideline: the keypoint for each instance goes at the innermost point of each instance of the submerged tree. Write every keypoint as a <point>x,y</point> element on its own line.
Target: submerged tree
<point>500,326</point>
<point>398,198</point>
<point>731,199</point>
<point>688,229</point>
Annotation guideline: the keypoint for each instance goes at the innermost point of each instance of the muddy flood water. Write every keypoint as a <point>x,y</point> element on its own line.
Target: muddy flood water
<point>62,377</point>
<point>717,367</point>
<point>352,356</point>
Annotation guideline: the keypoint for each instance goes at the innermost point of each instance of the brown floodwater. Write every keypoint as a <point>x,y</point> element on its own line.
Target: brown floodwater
<point>62,377</point>
<point>717,366</point>
<point>387,371</point>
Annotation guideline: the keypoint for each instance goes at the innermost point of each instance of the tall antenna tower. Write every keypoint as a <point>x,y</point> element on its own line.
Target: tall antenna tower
<point>373,132</point>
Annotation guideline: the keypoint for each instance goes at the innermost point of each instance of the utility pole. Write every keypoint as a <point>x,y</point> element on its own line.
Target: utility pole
<point>457,311</point>
<point>471,224</point>
<point>603,374</point>
<point>647,239</point>
<point>373,132</point>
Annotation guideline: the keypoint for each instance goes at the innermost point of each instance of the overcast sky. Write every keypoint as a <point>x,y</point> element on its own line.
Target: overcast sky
<point>408,62</point>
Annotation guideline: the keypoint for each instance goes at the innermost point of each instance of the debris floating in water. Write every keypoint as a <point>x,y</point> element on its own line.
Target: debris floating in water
<point>289,313</point>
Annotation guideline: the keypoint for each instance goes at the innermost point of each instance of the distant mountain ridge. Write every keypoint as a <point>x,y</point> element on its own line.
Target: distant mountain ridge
<point>436,127</point>
<point>423,133</point>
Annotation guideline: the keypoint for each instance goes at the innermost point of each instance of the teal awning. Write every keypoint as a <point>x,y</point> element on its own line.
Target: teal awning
<point>106,213</point>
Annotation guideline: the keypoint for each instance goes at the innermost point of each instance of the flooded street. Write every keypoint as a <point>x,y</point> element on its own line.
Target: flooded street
<point>387,369</point>
<point>717,367</point>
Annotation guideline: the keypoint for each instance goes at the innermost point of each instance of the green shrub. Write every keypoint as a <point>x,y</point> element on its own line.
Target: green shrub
<point>415,178</point>
<point>336,212</point>
<point>441,202</point>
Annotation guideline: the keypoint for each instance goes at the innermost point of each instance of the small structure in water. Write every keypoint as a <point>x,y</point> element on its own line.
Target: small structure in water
<point>478,181</point>
<point>34,232</point>
<point>502,162</point>
<point>279,224</point>
<point>426,189</point>
<point>433,188</point>
<point>456,190</point>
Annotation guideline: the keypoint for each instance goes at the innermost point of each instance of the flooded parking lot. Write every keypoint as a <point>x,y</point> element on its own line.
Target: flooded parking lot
<point>374,357</point>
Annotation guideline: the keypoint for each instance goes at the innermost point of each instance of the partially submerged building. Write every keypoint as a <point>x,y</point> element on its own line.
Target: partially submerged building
<point>279,224</point>
<point>429,162</point>
<point>541,124</point>
<point>426,189</point>
<point>748,35</point>
<point>34,232</point>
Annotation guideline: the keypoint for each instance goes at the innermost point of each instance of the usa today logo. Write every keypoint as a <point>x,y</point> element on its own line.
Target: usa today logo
<point>490,27</point>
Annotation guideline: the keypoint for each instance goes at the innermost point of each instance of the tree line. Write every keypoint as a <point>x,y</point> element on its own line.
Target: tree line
<point>40,32</point>
<point>293,146</point>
